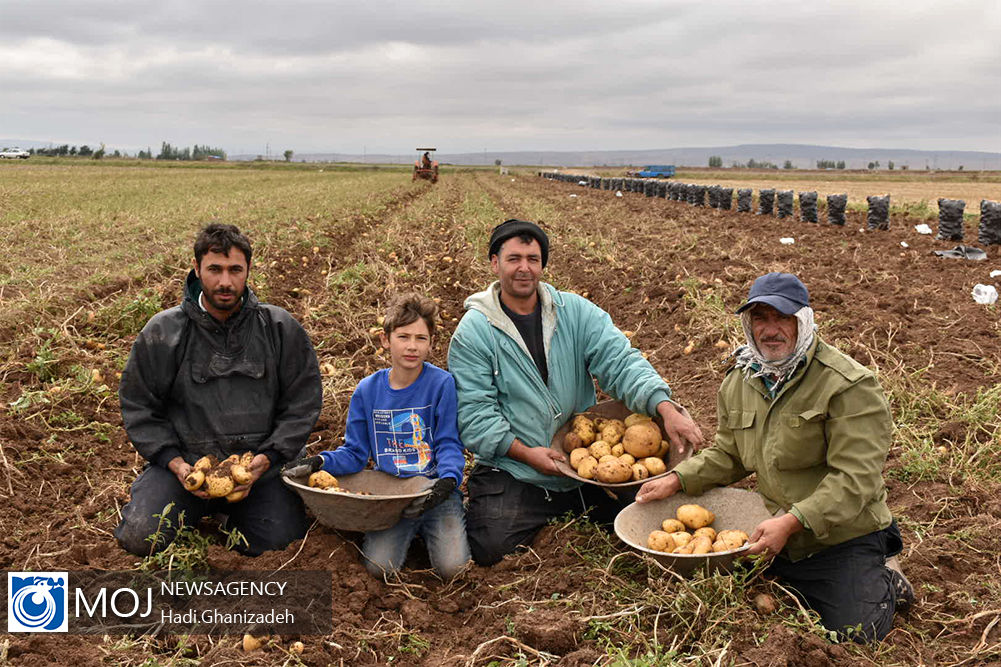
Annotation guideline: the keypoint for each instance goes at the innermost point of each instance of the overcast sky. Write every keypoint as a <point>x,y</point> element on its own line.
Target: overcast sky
<point>386,76</point>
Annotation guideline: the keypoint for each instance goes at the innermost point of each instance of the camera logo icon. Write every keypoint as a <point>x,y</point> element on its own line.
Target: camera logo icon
<point>36,601</point>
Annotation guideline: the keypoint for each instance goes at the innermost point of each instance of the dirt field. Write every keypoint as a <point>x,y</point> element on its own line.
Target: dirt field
<point>668,272</point>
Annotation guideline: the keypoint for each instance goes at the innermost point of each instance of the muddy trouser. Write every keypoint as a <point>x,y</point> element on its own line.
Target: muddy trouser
<point>848,584</point>
<point>504,513</point>
<point>269,517</point>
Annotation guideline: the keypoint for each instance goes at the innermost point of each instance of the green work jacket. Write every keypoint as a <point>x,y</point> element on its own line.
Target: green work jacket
<point>818,448</point>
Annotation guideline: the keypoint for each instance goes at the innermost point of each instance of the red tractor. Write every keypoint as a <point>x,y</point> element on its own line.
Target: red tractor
<point>425,167</point>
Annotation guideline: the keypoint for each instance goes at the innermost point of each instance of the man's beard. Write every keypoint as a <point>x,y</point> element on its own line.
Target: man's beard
<point>235,303</point>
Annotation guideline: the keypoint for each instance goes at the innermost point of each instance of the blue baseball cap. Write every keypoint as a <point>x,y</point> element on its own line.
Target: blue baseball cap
<point>782,291</point>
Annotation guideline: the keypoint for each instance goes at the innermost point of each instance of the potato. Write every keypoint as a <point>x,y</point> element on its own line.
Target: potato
<point>588,466</point>
<point>246,459</point>
<point>660,541</point>
<point>572,441</point>
<point>599,423</point>
<point>639,471</point>
<point>672,526</point>
<point>218,485</point>
<point>607,457</point>
<point>701,545</point>
<point>612,432</point>
<point>642,439</point>
<point>322,479</point>
<point>618,449</point>
<point>232,458</point>
<point>613,471</point>
<point>654,465</point>
<point>237,496</point>
<point>194,480</point>
<point>733,539</point>
<point>695,516</point>
<point>586,433</point>
<point>252,643</point>
<point>240,474</point>
<point>681,538</point>
<point>665,447</point>
<point>576,456</point>
<point>635,418</point>
<point>206,463</point>
<point>581,419</point>
<point>720,546</point>
<point>599,448</point>
<point>707,531</point>
<point>627,459</point>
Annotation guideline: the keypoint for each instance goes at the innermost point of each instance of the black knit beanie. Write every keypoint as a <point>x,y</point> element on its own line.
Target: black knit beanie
<point>511,228</point>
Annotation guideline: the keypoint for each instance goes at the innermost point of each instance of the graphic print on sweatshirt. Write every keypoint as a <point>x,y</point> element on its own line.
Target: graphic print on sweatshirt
<point>403,440</point>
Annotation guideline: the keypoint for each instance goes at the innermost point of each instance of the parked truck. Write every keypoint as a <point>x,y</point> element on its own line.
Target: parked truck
<point>654,171</point>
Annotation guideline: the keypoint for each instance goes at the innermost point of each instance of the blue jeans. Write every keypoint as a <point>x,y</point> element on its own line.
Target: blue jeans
<point>443,529</point>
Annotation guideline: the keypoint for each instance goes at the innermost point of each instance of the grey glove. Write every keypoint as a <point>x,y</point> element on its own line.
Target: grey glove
<point>303,466</point>
<point>439,492</point>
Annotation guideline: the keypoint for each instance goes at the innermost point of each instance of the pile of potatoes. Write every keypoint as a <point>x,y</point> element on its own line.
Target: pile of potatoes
<point>675,539</point>
<point>219,478</point>
<point>613,451</point>
<point>324,481</point>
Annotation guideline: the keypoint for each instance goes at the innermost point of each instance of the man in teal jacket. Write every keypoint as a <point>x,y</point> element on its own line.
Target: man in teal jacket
<point>815,427</point>
<point>523,358</point>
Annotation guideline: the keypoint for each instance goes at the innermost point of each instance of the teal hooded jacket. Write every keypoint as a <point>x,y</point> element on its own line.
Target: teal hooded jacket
<point>501,395</point>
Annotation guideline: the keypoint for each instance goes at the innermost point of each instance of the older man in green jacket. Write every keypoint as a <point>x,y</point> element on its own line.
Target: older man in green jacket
<point>523,358</point>
<point>815,427</point>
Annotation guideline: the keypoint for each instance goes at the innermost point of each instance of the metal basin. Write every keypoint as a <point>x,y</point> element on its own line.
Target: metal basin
<point>348,511</point>
<point>616,410</point>
<point>735,509</point>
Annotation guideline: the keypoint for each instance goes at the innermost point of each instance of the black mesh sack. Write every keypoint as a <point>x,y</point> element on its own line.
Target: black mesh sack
<point>699,198</point>
<point>765,200</point>
<point>725,198</point>
<point>836,205</point>
<point>784,203</point>
<point>950,219</point>
<point>744,200</point>
<point>990,222</point>
<point>808,206</point>
<point>879,212</point>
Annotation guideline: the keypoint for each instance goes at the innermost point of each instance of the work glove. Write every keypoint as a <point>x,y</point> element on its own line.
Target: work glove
<point>441,490</point>
<point>303,466</point>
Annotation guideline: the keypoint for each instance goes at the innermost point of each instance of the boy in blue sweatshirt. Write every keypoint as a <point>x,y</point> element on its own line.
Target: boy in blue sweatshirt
<point>404,419</point>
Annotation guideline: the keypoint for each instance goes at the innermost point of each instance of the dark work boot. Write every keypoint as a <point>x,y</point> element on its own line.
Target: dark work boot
<point>903,592</point>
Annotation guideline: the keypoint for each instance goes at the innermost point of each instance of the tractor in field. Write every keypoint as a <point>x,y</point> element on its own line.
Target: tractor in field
<point>425,167</point>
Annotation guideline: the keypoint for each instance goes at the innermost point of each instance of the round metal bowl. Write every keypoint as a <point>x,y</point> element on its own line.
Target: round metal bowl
<point>735,509</point>
<point>389,496</point>
<point>616,410</point>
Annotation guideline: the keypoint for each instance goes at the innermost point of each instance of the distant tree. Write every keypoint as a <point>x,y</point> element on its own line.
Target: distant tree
<point>117,153</point>
<point>872,165</point>
<point>840,165</point>
<point>903,167</point>
<point>497,162</point>
<point>288,155</point>
<point>960,167</point>
<point>889,165</point>
<point>787,164</point>
<point>715,161</point>
<point>99,153</point>
<point>73,150</point>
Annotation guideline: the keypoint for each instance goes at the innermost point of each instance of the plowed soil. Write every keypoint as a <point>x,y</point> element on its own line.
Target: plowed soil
<point>653,265</point>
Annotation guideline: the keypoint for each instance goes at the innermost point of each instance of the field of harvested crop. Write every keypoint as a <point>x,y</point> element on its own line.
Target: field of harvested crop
<point>88,253</point>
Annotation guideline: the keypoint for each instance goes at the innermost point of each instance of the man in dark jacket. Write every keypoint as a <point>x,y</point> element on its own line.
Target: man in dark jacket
<point>220,374</point>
